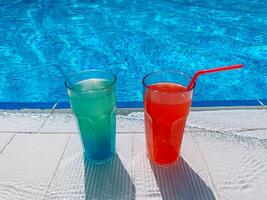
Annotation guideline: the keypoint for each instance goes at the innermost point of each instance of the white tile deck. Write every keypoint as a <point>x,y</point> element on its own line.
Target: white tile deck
<point>5,139</point>
<point>28,164</point>
<point>65,122</point>
<point>78,180</point>
<point>229,120</point>
<point>29,122</point>
<point>188,179</point>
<point>59,122</point>
<point>223,157</point>
<point>236,164</point>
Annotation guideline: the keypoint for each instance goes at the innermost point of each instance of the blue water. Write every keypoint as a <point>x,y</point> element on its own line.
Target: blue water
<point>132,38</point>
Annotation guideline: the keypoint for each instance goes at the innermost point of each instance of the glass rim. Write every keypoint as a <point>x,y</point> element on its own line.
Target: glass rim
<point>167,71</point>
<point>92,70</point>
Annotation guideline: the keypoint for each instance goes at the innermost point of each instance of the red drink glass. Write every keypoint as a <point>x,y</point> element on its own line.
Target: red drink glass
<point>166,107</point>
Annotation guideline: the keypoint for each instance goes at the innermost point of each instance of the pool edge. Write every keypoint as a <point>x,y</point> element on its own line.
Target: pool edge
<point>196,105</point>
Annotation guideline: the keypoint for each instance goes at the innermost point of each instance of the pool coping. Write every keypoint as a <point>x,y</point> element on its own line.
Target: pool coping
<point>196,105</point>
<point>58,132</point>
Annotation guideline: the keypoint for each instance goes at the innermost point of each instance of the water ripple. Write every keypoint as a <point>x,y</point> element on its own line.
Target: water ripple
<point>133,38</point>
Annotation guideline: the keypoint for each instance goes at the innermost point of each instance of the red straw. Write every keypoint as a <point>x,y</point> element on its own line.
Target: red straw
<point>206,71</point>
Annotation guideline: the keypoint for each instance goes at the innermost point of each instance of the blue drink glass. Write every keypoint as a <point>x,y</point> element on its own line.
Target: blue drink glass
<point>92,99</point>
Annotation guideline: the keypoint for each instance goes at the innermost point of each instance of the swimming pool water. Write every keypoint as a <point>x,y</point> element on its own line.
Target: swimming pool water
<point>132,38</point>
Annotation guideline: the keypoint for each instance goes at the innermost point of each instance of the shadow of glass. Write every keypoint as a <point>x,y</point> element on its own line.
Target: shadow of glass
<point>108,181</point>
<point>179,181</point>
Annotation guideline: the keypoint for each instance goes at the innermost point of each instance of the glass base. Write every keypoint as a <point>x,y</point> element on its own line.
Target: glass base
<point>99,162</point>
<point>161,164</point>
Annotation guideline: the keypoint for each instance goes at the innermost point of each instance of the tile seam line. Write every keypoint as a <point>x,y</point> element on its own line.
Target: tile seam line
<point>46,196</point>
<point>34,132</point>
<point>129,109</point>
<point>206,167</point>
<point>132,104</point>
<point>230,132</point>
<point>132,150</point>
<point>70,133</point>
<point>8,143</point>
<point>50,114</point>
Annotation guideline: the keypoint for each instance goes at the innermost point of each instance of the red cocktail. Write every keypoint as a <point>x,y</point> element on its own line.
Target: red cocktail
<point>166,106</point>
